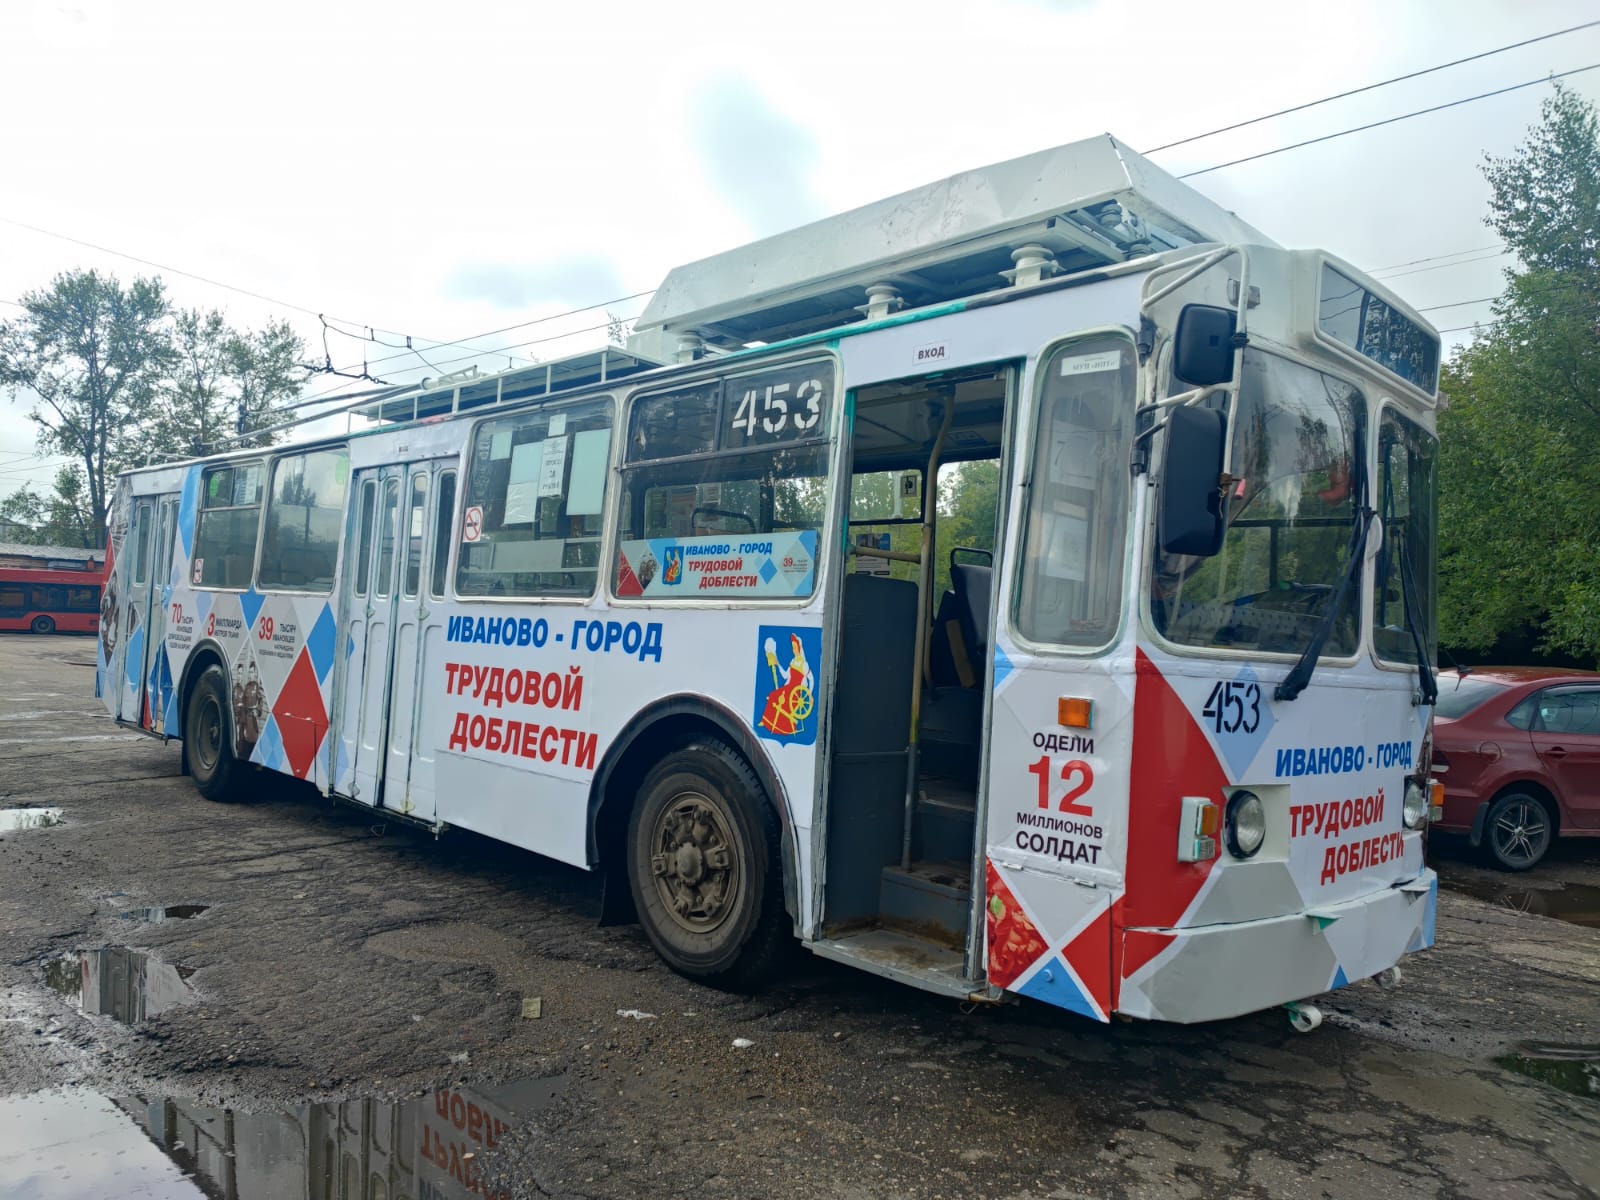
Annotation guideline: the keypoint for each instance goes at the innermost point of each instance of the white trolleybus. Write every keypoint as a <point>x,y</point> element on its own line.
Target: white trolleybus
<point>1150,736</point>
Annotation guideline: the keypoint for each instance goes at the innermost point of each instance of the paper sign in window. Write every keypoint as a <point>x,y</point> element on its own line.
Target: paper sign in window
<point>522,485</point>
<point>591,459</point>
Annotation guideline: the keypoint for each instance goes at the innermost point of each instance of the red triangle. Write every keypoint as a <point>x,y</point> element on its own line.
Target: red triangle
<point>627,581</point>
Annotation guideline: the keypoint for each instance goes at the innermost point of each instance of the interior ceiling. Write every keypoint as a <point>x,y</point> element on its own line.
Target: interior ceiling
<point>896,424</point>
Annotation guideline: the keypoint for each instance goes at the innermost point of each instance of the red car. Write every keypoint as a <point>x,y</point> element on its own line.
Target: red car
<point>1518,752</point>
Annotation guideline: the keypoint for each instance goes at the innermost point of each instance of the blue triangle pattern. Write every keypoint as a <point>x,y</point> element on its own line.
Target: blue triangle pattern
<point>250,604</point>
<point>134,663</point>
<point>1054,984</point>
<point>1340,979</point>
<point>1002,667</point>
<point>269,750</point>
<point>186,510</point>
<point>320,643</point>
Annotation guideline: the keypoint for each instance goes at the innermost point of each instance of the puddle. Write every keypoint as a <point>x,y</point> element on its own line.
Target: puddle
<point>172,912</point>
<point>12,819</point>
<point>1574,1069</point>
<point>75,1143</point>
<point>126,985</point>
<point>1578,903</point>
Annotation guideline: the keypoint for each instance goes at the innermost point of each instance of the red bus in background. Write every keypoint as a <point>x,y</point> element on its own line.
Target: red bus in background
<point>49,601</point>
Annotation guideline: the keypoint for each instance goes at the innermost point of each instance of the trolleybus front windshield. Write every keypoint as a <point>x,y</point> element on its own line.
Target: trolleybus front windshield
<point>1297,437</point>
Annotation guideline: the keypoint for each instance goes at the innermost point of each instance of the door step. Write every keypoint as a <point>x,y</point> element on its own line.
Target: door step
<point>903,957</point>
<point>929,898</point>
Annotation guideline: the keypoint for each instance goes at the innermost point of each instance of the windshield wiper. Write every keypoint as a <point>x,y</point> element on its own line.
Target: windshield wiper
<point>1425,679</point>
<point>1295,681</point>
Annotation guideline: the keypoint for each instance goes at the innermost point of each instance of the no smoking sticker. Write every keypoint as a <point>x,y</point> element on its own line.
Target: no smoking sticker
<point>472,525</point>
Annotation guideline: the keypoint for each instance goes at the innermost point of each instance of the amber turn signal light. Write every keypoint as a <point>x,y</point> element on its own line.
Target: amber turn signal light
<point>1075,712</point>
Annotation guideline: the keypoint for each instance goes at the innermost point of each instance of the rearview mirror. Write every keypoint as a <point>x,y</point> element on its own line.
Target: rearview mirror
<point>1190,518</point>
<point>1202,350</point>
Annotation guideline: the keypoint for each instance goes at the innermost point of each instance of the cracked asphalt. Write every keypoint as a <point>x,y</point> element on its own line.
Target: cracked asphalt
<point>343,958</point>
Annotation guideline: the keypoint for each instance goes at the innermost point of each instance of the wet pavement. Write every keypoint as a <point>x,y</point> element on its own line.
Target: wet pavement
<point>295,1037</point>
<point>77,1142</point>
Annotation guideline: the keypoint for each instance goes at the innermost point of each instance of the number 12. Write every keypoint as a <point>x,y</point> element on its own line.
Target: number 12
<point>1077,774</point>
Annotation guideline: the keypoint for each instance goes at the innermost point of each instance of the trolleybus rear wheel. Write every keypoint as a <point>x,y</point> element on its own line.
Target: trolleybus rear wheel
<point>209,737</point>
<point>703,865</point>
<point>44,625</point>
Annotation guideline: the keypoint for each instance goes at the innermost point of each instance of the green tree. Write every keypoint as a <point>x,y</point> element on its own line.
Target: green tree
<point>59,519</point>
<point>218,376</point>
<point>89,356</point>
<point>1520,438</point>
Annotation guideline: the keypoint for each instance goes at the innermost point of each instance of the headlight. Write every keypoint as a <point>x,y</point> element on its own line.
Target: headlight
<point>1414,810</point>
<point>1246,825</point>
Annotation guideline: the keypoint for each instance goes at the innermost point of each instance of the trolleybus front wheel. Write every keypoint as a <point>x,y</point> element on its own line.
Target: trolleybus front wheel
<point>209,738</point>
<point>703,866</point>
<point>44,625</point>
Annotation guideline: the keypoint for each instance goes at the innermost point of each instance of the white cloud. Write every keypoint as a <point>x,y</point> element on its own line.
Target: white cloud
<point>440,171</point>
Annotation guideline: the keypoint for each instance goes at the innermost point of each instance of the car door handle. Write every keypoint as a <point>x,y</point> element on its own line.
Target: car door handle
<point>1556,752</point>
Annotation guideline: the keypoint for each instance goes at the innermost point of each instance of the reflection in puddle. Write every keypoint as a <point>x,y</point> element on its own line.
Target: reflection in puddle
<point>12,819</point>
<point>172,912</point>
<point>126,985</point>
<point>79,1143</point>
<point>1574,1069</point>
<point>1578,903</point>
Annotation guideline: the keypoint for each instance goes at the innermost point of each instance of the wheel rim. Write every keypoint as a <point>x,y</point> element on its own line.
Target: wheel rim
<point>208,733</point>
<point>694,863</point>
<point>1522,832</point>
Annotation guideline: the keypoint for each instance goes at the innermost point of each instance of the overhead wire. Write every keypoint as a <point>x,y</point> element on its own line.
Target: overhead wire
<point>1328,137</point>
<point>1283,112</point>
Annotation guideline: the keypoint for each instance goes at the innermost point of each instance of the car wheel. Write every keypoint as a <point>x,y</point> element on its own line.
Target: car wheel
<point>1517,831</point>
<point>44,625</point>
<point>703,863</point>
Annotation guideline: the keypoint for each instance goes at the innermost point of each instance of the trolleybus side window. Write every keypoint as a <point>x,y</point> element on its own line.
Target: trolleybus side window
<point>304,515</point>
<point>369,512</point>
<point>141,553</point>
<point>444,511</point>
<point>535,503</point>
<point>1405,500</point>
<point>384,583</point>
<point>225,532</point>
<point>1071,587</point>
<point>725,486</point>
<point>416,530</point>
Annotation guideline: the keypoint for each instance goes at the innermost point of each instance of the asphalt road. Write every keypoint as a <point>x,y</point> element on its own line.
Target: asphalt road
<point>361,1010</point>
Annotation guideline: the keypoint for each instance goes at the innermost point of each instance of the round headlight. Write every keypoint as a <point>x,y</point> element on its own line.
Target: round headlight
<point>1414,809</point>
<point>1246,825</point>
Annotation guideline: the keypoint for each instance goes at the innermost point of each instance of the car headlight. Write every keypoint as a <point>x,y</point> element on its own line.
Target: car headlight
<point>1246,824</point>
<point>1414,808</point>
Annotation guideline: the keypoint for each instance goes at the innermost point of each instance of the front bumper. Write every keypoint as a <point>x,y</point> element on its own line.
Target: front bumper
<point>1217,971</point>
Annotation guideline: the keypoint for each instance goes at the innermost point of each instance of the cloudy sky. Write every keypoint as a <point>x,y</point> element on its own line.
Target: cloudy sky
<point>435,171</point>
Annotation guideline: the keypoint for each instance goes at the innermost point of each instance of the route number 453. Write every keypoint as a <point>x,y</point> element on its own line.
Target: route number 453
<point>1232,707</point>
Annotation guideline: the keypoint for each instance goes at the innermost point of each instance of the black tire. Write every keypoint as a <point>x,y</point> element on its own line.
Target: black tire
<point>1518,831</point>
<point>704,866</point>
<point>43,625</point>
<point>208,738</point>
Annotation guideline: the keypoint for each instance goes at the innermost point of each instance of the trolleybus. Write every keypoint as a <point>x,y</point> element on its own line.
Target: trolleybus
<point>1154,743</point>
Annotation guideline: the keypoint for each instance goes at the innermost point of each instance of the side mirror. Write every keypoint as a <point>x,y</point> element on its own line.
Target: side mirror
<point>1190,520</point>
<point>1202,351</point>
